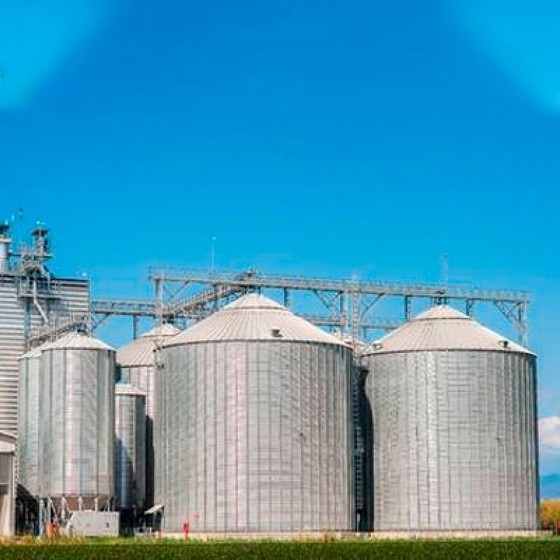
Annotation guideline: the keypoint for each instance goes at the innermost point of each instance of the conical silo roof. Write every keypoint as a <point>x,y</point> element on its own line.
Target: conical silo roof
<point>443,328</point>
<point>34,352</point>
<point>128,389</point>
<point>140,352</point>
<point>77,341</point>
<point>250,318</point>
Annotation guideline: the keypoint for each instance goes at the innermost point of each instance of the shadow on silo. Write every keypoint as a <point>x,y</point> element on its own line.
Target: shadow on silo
<point>363,452</point>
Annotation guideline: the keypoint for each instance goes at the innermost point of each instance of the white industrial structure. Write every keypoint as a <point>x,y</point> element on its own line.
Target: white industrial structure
<point>7,484</point>
<point>262,422</point>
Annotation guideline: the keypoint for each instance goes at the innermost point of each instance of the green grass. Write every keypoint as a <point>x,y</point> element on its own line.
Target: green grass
<point>346,550</point>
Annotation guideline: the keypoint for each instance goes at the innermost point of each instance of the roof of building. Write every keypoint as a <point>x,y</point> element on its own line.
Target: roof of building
<point>33,353</point>
<point>443,328</point>
<point>140,352</point>
<point>128,389</point>
<point>76,341</point>
<point>250,318</point>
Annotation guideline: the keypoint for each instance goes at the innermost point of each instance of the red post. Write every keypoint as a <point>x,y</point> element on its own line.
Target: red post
<point>186,529</point>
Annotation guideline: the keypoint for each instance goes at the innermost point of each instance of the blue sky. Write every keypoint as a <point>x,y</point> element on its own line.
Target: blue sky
<point>330,138</point>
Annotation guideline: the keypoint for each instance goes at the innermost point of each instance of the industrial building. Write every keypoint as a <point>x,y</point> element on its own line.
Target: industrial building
<point>32,302</point>
<point>30,298</point>
<point>259,420</point>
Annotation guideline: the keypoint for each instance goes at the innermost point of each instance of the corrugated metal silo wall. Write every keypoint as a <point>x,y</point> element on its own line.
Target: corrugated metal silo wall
<point>77,423</point>
<point>130,450</point>
<point>72,296</point>
<point>143,377</point>
<point>255,437</point>
<point>455,445</point>
<point>28,425</point>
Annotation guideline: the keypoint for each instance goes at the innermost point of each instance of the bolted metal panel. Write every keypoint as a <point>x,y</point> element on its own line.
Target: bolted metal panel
<point>12,342</point>
<point>77,419</point>
<point>130,447</point>
<point>455,444</point>
<point>255,436</point>
<point>28,422</point>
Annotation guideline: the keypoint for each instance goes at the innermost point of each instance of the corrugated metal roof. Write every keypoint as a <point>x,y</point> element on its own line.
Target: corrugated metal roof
<point>33,353</point>
<point>77,341</point>
<point>128,389</point>
<point>254,317</point>
<point>140,352</point>
<point>443,328</point>
<point>162,331</point>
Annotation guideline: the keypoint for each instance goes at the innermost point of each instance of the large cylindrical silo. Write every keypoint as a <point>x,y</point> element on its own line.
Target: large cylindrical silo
<point>138,367</point>
<point>77,421</point>
<point>455,423</point>
<point>130,447</point>
<point>253,431</point>
<point>28,423</point>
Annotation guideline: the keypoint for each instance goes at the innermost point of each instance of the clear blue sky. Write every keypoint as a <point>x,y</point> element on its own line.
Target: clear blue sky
<point>332,138</point>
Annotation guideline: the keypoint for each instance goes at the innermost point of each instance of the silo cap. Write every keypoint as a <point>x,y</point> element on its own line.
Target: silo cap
<point>128,389</point>
<point>443,328</point>
<point>254,317</point>
<point>140,352</point>
<point>77,341</point>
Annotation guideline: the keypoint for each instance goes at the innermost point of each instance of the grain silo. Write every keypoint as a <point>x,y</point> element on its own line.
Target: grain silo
<point>137,365</point>
<point>454,418</point>
<point>253,430</point>
<point>28,423</point>
<point>77,422</point>
<point>130,447</point>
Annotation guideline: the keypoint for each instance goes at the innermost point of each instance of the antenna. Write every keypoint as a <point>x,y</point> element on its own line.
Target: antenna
<point>444,269</point>
<point>213,254</point>
<point>16,222</point>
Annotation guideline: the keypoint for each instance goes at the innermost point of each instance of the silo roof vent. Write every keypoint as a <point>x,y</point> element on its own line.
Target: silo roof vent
<point>275,332</point>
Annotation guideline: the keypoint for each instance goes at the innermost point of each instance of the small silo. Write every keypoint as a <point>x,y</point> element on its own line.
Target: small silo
<point>253,431</point>
<point>137,364</point>
<point>77,422</point>
<point>455,424</point>
<point>130,447</point>
<point>28,424</point>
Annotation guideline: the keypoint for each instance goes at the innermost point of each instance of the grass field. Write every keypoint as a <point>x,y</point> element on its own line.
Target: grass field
<point>390,550</point>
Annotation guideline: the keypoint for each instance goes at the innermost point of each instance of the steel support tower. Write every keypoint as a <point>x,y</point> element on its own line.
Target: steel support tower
<point>346,306</point>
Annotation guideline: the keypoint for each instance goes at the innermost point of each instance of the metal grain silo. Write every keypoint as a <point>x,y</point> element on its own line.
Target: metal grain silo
<point>253,431</point>
<point>454,419</point>
<point>28,423</point>
<point>138,367</point>
<point>77,421</point>
<point>130,447</point>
